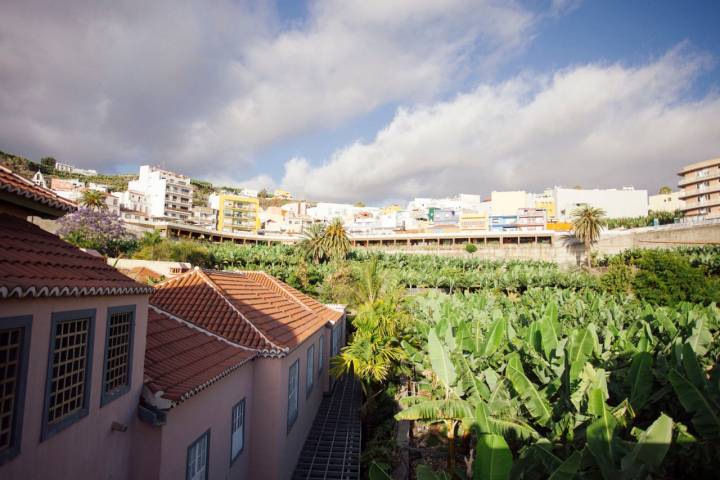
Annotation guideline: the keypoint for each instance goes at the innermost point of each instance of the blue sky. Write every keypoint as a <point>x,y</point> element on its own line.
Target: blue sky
<point>368,100</point>
<point>606,31</point>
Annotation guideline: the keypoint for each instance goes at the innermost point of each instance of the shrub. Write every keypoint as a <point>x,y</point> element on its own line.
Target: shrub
<point>667,278</point>
<point>470,248</point>
<point>618,278</point>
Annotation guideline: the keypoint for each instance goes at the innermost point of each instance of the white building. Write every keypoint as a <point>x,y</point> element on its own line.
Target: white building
<point>509,202</point>
<point>132,201</point>
<point>167,194</point>
<point>67,168</point>
<point>669,202</point>
<point>617,203</point>
<point>462,201</point>
<point>39,180</point>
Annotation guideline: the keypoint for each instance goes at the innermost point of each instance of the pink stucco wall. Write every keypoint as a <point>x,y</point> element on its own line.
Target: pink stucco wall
<point>274,450</point>
<point>210,409</point>
<point>87,449</point>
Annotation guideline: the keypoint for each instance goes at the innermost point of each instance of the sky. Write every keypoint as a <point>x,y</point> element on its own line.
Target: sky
<point>367,100</point>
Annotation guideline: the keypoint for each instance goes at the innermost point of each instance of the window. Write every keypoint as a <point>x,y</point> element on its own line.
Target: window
<point>14,348</point>
<point>321,353</point>
<point>335,339</point>
<point>293,382</point>
<point>67,391</point>
<point>197,458</point>
<point>310,374</point>
<point>237,438</point>
<point>117,369</point>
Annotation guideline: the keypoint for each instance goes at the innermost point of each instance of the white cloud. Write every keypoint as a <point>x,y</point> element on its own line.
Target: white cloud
<point>594,125</point>
<point>199,86</point>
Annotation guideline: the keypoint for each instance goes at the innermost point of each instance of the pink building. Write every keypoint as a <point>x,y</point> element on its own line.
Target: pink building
<point>217,375</point>
<point>72,342</point>
<point>278,342</point>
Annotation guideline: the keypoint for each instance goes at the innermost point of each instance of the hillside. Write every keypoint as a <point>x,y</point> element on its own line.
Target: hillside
<point>27,168</point>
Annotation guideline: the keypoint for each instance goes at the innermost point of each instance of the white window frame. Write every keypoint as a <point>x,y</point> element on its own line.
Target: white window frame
<point>310,371</point>
<point>293,393</point>
<point>237,430</point>
<point>198,458</point>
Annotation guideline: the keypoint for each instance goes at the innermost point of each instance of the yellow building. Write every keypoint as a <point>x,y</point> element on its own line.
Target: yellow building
<point>237,213</point>
<point>474,221</point>
<point>545,200</point>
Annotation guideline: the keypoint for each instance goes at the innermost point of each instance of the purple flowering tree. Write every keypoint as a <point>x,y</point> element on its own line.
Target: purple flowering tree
<point>97,229</point>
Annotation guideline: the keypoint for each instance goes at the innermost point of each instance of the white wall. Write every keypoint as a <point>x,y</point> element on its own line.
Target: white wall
<point>616,203</point>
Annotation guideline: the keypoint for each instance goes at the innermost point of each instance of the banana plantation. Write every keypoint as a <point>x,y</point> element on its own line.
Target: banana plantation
<point>558,384</point>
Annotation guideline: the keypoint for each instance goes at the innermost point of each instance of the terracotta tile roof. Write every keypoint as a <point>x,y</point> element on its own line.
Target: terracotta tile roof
<point>35,263</point>
<point>22,187</point>
<point>141,274</point>
<point>181,360</point>
<point>250,308</point>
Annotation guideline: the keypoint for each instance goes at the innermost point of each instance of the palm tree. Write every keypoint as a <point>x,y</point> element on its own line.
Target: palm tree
<point>335,241</point>
<point>151,239</point>
<point>587,224</point>
<point>313,242</point>
<point>93,199</point>
<point>372,282</point>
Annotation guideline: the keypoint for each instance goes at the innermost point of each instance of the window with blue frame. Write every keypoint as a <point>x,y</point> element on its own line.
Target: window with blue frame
<point>117,368</point>
<point>293,383</point>
<point>67,390</point>
<point>14,350</point>
<point>197,458</point>
<point>237,433</point>
<point>321,353</point>
<point>310,374</point>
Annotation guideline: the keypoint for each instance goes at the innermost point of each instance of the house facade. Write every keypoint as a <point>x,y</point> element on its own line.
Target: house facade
<point>269,378</point>
<point>72,339</point>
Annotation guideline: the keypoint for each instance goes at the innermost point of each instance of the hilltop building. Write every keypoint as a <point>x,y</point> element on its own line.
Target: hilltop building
<point>167,195</point>
<point>700,185</point>
<point>67,168</point>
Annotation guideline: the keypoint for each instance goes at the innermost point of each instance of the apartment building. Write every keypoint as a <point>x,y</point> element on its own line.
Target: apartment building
<point>531,219</point>
<point>474,221</point>
<point>666,202</point>
<point>508,203</point>
<point>617,203</point>
<point>236,213</point>
<point>168,195</point>
<point>503,223</point>
<point>700,184</point>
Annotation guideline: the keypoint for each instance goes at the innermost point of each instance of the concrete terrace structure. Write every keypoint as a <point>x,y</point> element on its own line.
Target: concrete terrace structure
<point>700,185</point>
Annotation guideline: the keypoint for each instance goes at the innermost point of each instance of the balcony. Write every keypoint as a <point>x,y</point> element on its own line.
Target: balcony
<point>713,202</point>
<point>699,191</point>
<point>689,179</point>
